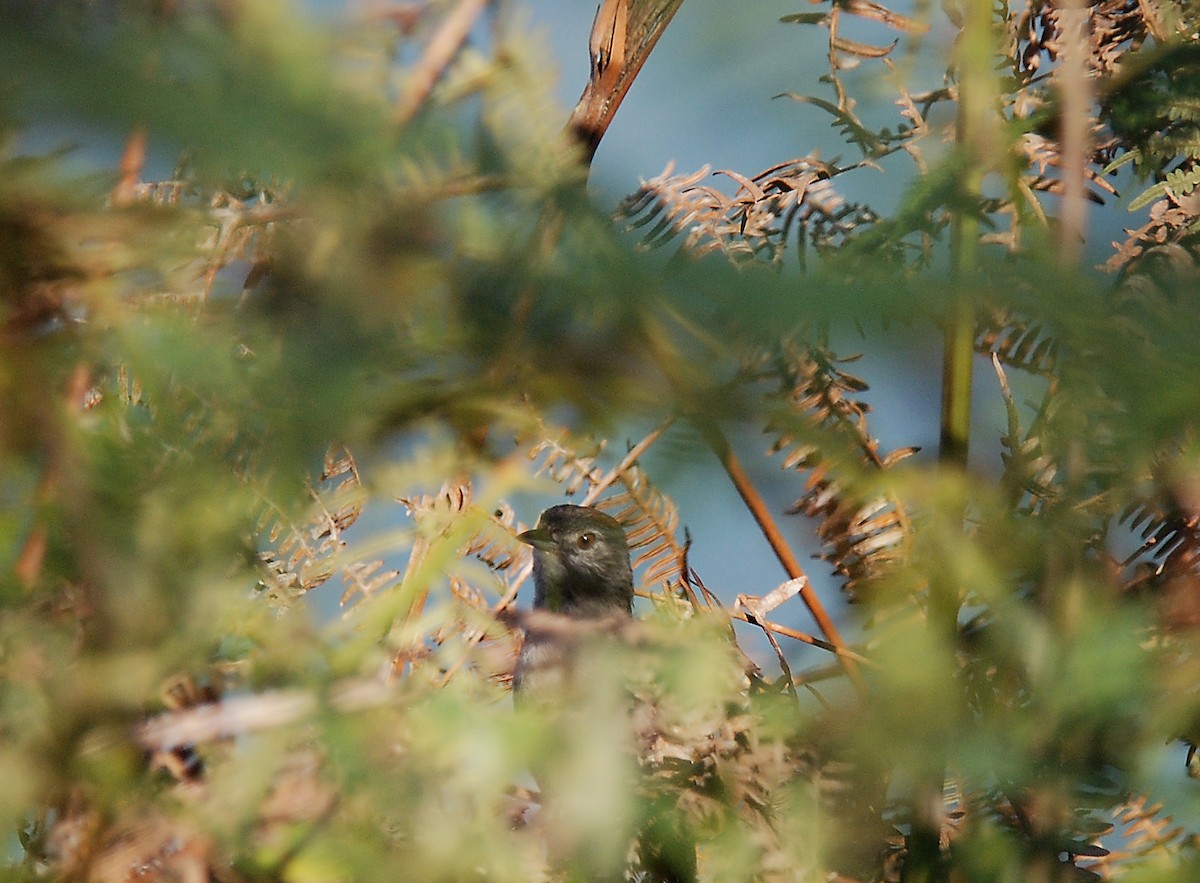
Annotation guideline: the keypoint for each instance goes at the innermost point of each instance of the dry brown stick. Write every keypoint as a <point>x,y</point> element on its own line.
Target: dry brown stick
<point>628,460</point>
<point>779,546</point>
<point>440,51</point>
<point>133,159</point>
<point>1075,94</point>
<point>623,34</point>
<point>767,626</point>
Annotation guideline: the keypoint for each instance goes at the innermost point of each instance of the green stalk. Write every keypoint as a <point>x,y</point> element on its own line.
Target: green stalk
<point>976,131</point>
<point>975,128</point>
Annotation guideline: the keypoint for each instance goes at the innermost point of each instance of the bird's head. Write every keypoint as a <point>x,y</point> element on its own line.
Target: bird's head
<point>580,563</point>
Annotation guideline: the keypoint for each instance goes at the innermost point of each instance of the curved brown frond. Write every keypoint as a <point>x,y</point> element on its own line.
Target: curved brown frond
<point>865,533</point>
<point>1018,341</point>
<point>652,525</point>
<point>792,199</point>
<point>573,470</point>
<point>301,554</point>
<point>488,548</point>
<point>1145,832</point>
<point>1170,535</point>
<point>1166,523</point>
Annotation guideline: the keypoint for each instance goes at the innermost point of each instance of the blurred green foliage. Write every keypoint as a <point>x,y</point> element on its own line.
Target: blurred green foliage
<point>331,350</point>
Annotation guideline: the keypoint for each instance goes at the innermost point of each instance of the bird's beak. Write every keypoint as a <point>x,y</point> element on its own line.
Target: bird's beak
<point>539,538</point>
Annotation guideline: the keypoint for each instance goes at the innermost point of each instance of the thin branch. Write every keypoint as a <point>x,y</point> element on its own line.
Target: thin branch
<point>626,462</point>
<point>440,51</point>
<point>768,626</point>
<point>239,715</point>
<point>1075,120</point>
<point>770,530</point>
<point>133,160</point>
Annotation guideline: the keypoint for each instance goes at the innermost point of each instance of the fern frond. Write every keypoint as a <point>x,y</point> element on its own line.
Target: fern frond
<point>1175,185</point>
<point>865,533</point>
<point>573,470</point>
<point>1030,473</point>
<point>497,555</point>
<point>1168,530</point>
<point>466,624</point>
<point>300,554</point>
<point>651,522</point>
<point>364,579</point>
<point>756,221</point>
<point>1169,536</point>
<point>1018,341</point>
<point>1145,833</point>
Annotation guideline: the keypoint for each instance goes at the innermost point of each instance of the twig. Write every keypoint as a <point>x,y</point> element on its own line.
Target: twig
<point>133,159</point>
<point>755,619</point>
<point>237,715</point>
<point>627,461</point>
<point>685,572</point>
<point>440,51</point>
<point>231,716</point>
<point>767,626</point>
<point>779,546</point>
<point>816,675</point>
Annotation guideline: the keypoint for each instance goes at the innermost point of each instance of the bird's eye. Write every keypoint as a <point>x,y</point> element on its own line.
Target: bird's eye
<point>585,540</point>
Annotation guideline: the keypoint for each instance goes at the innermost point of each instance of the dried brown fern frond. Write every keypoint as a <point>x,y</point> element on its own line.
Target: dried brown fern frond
<point>1115,28</point>
<point>498,556</point>
<point>823,431</point>
<point>650,518</point>
<point>575,470</point>
<point>432,515</point>
<point>1044,160</point>
<point>1156,510</point>
<point>1165,520</point>
<point>1018,341</point>
<point>756,221</point>
<point>1172,224</point>
<point>1169,535</point>
<point>651,522</point>
<point>300,554</point>
<point>1070,844</point>
<point>1145,832</point>
<point>467,621</point>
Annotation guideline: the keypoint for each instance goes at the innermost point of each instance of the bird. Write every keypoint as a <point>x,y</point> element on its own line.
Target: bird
<point>583,581</point>
<point>581,571</point>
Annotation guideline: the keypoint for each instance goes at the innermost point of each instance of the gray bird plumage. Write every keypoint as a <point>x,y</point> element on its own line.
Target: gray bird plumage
<point>581,571</point>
